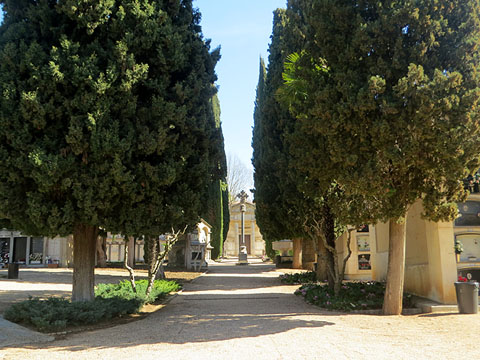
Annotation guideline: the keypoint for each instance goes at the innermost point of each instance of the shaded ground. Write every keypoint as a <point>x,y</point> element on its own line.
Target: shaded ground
<point>44,282</point>
<point>242,312</point>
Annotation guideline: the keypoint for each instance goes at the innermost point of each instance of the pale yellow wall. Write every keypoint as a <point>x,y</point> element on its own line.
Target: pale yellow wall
<point>430,266</point>
<point>417,249</point>
<point>417,268</point>
<point>379,271</point>
<point>352,271</point>
<point>235,229</point>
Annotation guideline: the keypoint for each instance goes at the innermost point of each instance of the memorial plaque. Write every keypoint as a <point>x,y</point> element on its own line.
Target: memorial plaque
<point>363,243</point>
<point>364,262</point>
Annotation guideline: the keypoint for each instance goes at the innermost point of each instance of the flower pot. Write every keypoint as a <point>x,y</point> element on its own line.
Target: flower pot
<point>52,266</point>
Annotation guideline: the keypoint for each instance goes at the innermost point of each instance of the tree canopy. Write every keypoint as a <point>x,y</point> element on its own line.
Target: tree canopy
<point>385,95</point>
<point>105,118</point>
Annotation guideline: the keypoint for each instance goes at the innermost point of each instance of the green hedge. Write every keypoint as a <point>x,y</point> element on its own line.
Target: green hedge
<point>299,278</point>
<point>111,300</point>
<point>362,295</point>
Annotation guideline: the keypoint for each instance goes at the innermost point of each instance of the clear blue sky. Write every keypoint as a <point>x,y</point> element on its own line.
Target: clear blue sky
<point>242,29</point>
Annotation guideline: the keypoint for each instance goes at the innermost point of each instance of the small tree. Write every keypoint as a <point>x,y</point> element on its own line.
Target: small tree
<point>128,267</point>
<point>156,252</point>
<point>239,177</point>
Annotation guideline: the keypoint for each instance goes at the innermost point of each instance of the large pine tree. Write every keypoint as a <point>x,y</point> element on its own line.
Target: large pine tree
<point>386,97</point>
<point>104,120</point>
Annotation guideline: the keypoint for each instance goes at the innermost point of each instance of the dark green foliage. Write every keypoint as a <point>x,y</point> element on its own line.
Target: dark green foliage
<point>275,194</point>
<point>269,248</point>
<point>217,223</point>
<point>104,115</point>
<point>383,104</point>
<point>352,296</point>
<point>299,278</point>
<point>112,300</point>
<point>226,211</point>
<point>285,205</point>
<point>105,118</point>
<point>55,314</point>
<point>215,210</point>
<point>385,96</point>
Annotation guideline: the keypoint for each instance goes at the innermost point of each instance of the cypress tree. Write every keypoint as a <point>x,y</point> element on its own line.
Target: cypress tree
<point>282,208</point>
<point>270,212</point>
<point>104,120</point>
<point>215,209</point>
<point>386,96</point>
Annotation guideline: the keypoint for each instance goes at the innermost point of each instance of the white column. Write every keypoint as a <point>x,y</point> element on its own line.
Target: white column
<point>237,239</point>
<point>45,248</point>
<point>27,255</point>
<point>10,254</point>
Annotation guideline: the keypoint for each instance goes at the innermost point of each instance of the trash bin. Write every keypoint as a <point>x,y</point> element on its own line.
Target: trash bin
<point>12,271</point>
<point>467,297</point>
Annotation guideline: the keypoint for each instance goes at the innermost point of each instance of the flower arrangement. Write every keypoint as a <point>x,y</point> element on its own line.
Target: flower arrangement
<point>462,279</point>
<point>458,247</point>
<point>36,257</point>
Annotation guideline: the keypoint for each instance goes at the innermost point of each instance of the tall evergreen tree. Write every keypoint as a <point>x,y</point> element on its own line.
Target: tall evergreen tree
<point>104,120</point>
<point>215,213</point>
<point>269,158</point>
<point>386,96</point>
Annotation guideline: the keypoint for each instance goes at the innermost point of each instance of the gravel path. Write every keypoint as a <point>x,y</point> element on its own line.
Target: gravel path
<point>241,312</point>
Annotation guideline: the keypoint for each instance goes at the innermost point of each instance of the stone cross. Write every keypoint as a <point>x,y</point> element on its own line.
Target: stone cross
<point>242,196</point>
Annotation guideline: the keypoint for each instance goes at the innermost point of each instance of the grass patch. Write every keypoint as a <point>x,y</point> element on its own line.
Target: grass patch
<point>299,278</point>
<point>111,301</point>
<point>364,295</point>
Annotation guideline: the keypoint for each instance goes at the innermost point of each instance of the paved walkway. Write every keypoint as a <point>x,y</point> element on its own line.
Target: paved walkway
<point>242,312</point>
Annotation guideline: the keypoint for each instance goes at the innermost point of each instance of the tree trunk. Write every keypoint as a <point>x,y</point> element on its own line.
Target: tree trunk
<point>84,247</point>
<point>152,245</point>
<point>328,228</point>
<point>322,262</point>
<point>297,253</point>
<point>129,268</point>
<point>161,272</point>
<point>392,304</point>
<point>101,252</point>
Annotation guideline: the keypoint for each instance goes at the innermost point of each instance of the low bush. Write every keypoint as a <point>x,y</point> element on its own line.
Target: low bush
<point>299,278</point>
<point>55,314</point>
<point>123,289</point>
<point>352,296</point>
<point>111,300</point>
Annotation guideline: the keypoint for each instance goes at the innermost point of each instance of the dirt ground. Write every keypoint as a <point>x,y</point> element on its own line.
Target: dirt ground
<point>44,282</point>
<point>236,312</point>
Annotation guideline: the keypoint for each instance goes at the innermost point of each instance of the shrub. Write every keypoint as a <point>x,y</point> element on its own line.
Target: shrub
<point>352,296</point>
<point>55,314</point>
<point>299,278</point>
<point>123,289</point>
<point>111,300</point>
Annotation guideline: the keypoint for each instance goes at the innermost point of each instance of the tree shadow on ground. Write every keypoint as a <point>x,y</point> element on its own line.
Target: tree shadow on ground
<point>200,320</point>
<point>434,315</point>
